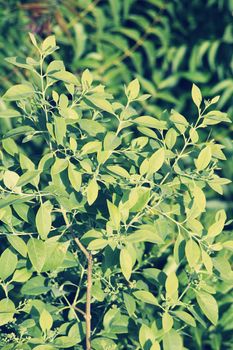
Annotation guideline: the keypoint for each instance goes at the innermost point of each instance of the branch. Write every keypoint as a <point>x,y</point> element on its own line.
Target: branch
<point>89,282</point>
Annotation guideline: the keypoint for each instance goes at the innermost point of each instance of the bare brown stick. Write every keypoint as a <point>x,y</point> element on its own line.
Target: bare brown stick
<point>89,282</point>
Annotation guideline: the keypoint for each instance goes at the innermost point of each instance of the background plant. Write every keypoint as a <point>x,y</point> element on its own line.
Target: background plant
<point>85,177</point>
<point>167,45</point>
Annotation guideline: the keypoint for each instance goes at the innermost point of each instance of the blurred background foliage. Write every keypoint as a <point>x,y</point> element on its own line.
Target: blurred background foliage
<point>167,45</point>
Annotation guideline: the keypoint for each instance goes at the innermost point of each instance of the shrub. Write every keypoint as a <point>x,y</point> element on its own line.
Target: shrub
<point>106,236</point>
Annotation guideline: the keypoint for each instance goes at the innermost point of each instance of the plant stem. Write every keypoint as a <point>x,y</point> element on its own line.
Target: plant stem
<point>88,256</point>
<point>88,292</point>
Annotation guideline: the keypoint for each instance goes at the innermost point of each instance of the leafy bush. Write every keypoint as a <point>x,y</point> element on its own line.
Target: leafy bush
<point>106,236</point>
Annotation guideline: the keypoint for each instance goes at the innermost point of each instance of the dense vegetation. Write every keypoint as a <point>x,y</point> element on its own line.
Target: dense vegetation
<point>123,188</point>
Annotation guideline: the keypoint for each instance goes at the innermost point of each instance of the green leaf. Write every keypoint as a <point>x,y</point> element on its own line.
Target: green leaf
<point>92,191</point>
<point>116,169</point>
<point>207,261</point>
<point>56,253</point>
<point>132,90</point>
<point>46,321</point>
<point>18,244</point>
<point>33,39</point>
<point>170,138</point>
<point>172,341</point>
<point>21,275</point>
<point>65,76</point>
<point>10,179</point>
<point>20,130</point>
<point>92,127</point>
<point>156,161</point>
<point>35,286</point>
<point>130,303</point>
<point>86,79</point>
<point>196,95</point>
<point>208,305</point>
<point>45,347</point>
<point>44,219</point>
<point>155,346</point>
<point>8,263</point>
<point>115,215</point>
<point>146,297</point>
<point>75,177</point>
<point>9,113</point>
<point>59,166</point>
<point>64,342</point>
<point>192,252</point>
<point>49,43</point>
<point>91,147</point>
<point>167,322</point>
<point>37,253</point>
<point>27,177</point>
<point>171,286</point>
<point>60,129</point>
<point>126,263</point>
<point>215,117</point>
<point>111,141</point>
<point>7,311</point>
<point>150,122</point>
<point>101,103</point>
<point>146,336</point>
<point>180,121</point>
<point>11,199</point>
<point>18,92</point>
<point>186,317</point>
<point>204,158</point>
<point>27,63</point>
<point>97,244</point>
<point>216,228</point>
<point>144,235</point>
<point>228,245</point>
<point>193,135</point>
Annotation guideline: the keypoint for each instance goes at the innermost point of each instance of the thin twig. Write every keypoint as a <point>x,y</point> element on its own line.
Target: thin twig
<point>88,256</point>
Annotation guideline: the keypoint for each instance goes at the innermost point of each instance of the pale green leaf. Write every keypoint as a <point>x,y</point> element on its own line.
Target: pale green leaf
<point>150,122</point>
<point>196,95</point>
<point>172,341</point>
<point>156,161</point>
<point>146,297</point>
<point>92,191</point>
<point>75,177</point>
<point>126,263</point>
<point>18,244</point>
<point>192,252</point>
<point>36,253</point>
<point>44,219</point>
<point>115,215</point>
<point>49,43</point>
<point>10,179</point>
<point>171,286</point>
<point>208,306</point>
<point>46,321</point>
<point>97,244</point>
<point>8,263</point>
<point>18,92</point>
<point>167,322</point>
<point>132,90</point>
<point>170,138</point>
<point>207,261</point>
<point>186,317</point>
<point>203,159</point>
<point>7,311</point>
<point>9,113</point>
